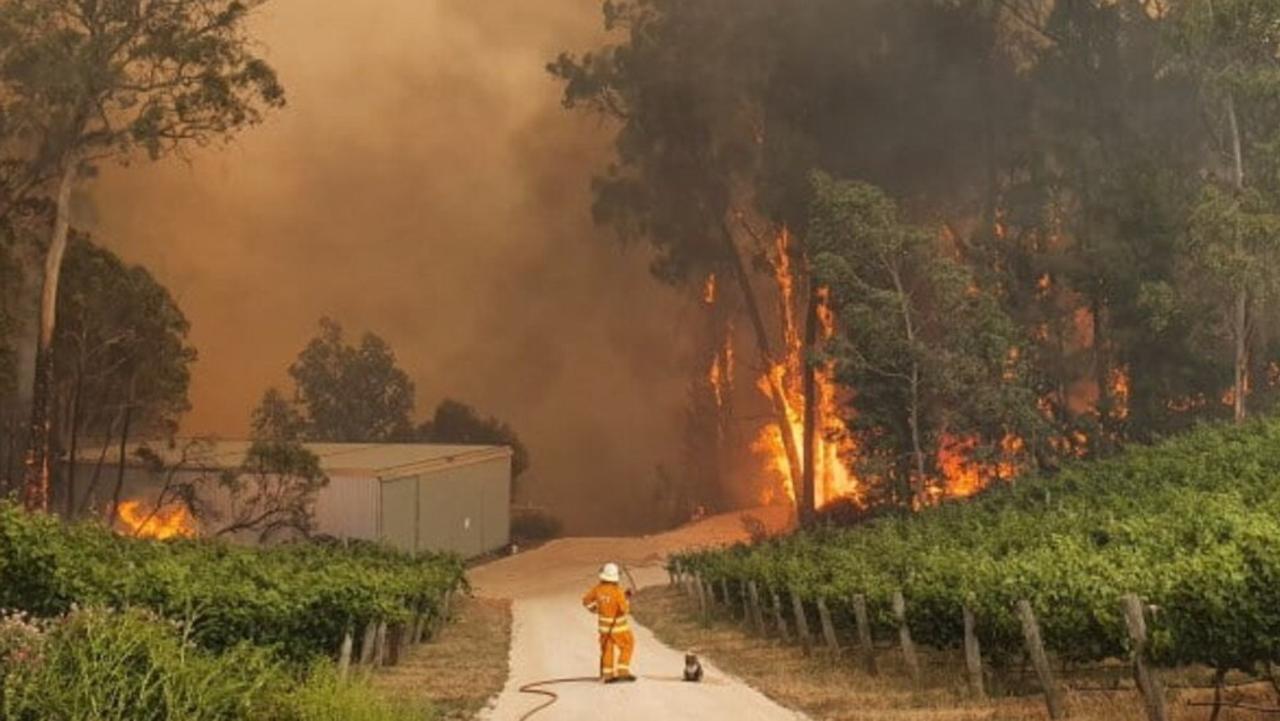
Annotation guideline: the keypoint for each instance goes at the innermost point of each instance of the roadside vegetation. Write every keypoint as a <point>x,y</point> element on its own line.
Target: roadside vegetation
<point>465,666</point>
<point>832,687</point>
<point>101,627</point>
<point>1188,526</point>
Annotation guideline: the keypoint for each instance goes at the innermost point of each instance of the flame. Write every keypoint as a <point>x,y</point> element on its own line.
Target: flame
<point>1119,383</point>
<point>962,476</point>
<point>709,290</point>
<point>164,523</point>
<point>720,375</point>
<point>833,443</point>
<point>958,473</point>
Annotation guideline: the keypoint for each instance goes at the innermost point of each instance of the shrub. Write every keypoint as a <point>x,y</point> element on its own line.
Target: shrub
<point>534,524</point>
<point>299,598</point>
<point>102,666</point>
<point>99,665</point>
<point>324,697</point>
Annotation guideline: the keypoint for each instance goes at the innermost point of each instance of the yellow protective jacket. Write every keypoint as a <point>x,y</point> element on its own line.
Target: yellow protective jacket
<point>609,602</point>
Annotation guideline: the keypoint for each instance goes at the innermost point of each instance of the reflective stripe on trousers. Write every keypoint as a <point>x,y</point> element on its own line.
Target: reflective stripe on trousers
<point>619,645</point>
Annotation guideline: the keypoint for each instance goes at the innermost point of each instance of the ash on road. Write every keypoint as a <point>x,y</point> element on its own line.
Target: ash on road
<point>553,637</point>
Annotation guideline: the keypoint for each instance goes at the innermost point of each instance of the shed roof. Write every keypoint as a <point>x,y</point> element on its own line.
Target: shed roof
<point>378,460</point>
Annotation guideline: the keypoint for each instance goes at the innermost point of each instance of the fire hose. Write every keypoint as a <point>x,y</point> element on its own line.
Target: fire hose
<point>536,688</point>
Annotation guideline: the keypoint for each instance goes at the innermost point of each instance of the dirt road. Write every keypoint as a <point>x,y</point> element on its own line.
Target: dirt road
<point>554,637</point>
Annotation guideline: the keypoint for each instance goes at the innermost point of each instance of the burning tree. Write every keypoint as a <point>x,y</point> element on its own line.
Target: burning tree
<point>933,358</point>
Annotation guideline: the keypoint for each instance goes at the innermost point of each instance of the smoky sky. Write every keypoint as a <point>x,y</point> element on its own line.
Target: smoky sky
<point>424,184</point>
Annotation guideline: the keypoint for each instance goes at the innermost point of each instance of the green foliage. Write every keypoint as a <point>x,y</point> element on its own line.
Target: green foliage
<point>325,697</point>
<point>86,81</point>
<point>121,340</point>
<point>98,665</point>
<point>352,394</point>
<point>456,422</point>
<point>1189,525</point>
<point>932,356</point>
<point>298,598</point>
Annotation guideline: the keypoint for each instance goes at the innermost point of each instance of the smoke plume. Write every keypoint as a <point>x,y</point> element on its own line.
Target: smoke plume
<point>424,184</point>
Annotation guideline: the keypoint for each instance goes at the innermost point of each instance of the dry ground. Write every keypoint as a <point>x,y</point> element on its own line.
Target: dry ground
<point>827,688</point>
<point>459,671</point>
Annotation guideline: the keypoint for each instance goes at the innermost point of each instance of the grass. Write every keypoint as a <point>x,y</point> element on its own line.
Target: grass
<point>458,672</point>
<point>828,688</point>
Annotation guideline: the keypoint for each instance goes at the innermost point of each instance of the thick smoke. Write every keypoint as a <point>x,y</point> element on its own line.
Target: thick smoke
<point>424,184</point>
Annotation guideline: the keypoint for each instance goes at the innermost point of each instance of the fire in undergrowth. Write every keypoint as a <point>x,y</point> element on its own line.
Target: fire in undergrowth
<point>161,524</point>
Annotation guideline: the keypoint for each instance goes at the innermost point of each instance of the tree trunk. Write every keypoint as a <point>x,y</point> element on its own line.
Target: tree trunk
<point>913,417</point>
<point>776,393</point>
<point>38,460</point>
<point>1240,309</point>
<point>91,491</point>
<point>808,498</point>
<point>74,444</point>
<point>113,512</point>
<point>1102,374</point>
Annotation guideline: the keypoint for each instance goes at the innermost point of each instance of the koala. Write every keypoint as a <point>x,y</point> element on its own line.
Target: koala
<point>692,668</point>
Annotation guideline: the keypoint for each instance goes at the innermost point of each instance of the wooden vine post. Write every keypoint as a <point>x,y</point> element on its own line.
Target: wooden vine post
<point>1147,679</point>
<point>757,615</point>
<point>802,623</point>
<point>748,620</point>
<point>828,626</point>
<point>1040,660</point>
<point>904,636</point>
<point>380,645</point>
<point>866,647</point>
<point>728,600</point>
<point>395,639</point>
<point>704,612</point>
<point>779,621</point>
<point>367,643</point>
<point>973,656</point>
<point>344,654</point>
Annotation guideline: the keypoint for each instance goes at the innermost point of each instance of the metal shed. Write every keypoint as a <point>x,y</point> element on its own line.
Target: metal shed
<point>414,497</point>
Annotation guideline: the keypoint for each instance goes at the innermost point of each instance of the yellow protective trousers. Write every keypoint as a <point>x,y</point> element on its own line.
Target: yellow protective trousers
<point>615,653</point>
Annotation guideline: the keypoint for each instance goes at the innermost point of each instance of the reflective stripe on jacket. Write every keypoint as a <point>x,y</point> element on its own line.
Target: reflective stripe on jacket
<point>609,603</point>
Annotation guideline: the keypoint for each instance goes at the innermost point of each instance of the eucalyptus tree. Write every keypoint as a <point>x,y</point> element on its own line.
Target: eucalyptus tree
<point>83,81</point>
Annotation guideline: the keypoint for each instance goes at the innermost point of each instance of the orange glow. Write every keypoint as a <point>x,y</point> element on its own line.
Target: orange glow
<point>720,375</point>
<point>833,444</point>
<point>709,290</point>
<point>164,523</point>
<point>963,477</point>
<point>1120,393</point>
<point>958,474</point>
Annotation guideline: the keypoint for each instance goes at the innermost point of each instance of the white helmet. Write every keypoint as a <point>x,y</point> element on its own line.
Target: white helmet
<point>610,573</point>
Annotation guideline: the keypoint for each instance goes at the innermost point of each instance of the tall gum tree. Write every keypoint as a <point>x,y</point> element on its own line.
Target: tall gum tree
<point>1232,50</point>
<point>83,81</point>
<point>688,147</point>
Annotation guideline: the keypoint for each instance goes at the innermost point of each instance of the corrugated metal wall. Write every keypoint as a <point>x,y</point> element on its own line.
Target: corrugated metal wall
<point>348,508</point>
<point>465,509</point>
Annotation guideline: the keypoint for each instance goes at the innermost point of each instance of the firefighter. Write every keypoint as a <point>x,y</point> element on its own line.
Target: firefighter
<point>611,605</point>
